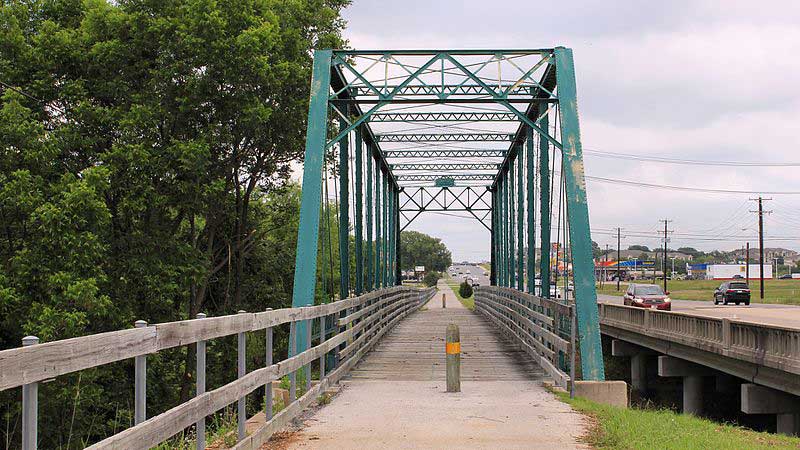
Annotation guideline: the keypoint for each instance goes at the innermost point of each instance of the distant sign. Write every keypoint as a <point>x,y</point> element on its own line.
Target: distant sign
<point>419,268</point>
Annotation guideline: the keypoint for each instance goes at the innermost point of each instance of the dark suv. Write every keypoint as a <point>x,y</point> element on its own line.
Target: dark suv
<point>647,296</point>
<point>732,291</point>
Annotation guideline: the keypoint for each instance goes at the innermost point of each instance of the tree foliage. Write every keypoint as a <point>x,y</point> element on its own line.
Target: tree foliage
<point>144,152</point>
<point>643,248</point>
<point>419,249</point>
<point>465,290</point>
<point>431,278</point>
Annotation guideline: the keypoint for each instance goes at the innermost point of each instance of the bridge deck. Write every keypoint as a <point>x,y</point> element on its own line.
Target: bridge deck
<point>395,398</point>
<point>414,350</point>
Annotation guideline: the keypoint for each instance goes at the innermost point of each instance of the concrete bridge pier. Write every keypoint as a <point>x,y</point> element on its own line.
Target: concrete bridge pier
<point>763,400</point>
<point>638,356</point>
<point>692,375</point>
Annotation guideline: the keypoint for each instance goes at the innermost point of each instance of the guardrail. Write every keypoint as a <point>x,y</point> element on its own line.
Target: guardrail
<point>541,326</point>
<point>356,324</point>
<point>765,345</point>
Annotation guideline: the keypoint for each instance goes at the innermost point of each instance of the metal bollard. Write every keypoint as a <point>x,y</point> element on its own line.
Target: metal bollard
<point>453,350</point>
<point>292,351</point>
<point>444,304</point>
<point>140,387</point>
<point>200,425</point>
<point>268,362</point>
<point>242,402</point>
<point>322,341</point>
<point>30,406</point>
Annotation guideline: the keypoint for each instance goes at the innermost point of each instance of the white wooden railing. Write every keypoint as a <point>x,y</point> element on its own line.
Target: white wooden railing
<point>356,323</point>
<point>540,326</point>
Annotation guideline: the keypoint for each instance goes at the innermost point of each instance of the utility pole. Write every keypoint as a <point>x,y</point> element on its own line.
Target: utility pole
<point>747,263</point>
<point>761,213</point>
<point>664,260</point>
<point>605,267</point>
<point>619,273</point>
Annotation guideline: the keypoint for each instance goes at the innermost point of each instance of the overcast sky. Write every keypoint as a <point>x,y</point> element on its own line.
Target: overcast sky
<point>696,80</point>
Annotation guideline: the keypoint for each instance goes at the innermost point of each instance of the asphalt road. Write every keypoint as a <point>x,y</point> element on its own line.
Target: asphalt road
<point>474,272</point>
<point>779,315</point>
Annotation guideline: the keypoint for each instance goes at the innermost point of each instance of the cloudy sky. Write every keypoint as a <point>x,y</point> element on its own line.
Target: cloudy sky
<point>699,81</point>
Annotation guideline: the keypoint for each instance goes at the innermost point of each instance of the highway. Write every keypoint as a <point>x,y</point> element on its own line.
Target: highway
<point>771,314</point>
<point>469,271</point>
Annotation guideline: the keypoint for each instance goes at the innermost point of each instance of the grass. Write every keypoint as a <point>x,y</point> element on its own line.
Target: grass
<point>468,302</point>
<point>619,428</point>
<point>776,291</point>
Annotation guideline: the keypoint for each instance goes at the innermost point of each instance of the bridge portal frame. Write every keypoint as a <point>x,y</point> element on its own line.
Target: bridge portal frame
<point>343,96</point>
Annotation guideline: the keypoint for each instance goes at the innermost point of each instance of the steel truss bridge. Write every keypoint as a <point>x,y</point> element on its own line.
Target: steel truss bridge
<point>388,159</point>
<point>492,135</point>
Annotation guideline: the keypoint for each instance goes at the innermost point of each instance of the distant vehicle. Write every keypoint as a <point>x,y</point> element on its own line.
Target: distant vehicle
<point>786,276</point>
<point>732,291</point>
<point>738,277</point>
<point>647,296</point>
<point>555,291</point>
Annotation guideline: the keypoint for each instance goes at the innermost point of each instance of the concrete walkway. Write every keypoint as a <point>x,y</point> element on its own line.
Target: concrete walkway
<point>396,397</point>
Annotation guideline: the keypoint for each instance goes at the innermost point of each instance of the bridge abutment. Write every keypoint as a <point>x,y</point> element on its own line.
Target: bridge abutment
<point>692,375</point>
<point>763,400</point>
<point>638,356</point>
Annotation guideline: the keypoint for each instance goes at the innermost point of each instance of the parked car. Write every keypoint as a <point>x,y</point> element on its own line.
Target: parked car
<point>786,276</point>
<point>732,291</point>
<point>738,277</point>
<point>647,296</point>
<point>555,291</point>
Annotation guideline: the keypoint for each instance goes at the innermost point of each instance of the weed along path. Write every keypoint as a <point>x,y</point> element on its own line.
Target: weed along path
<point>396,397</point>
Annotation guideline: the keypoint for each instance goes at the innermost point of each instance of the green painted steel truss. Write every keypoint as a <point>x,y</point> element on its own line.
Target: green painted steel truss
<point>416,200</point>
<point>444,153</point>
<point>448,104</point>
<point>444,117</point>
<point>453,137</point>
<point>444,167</point>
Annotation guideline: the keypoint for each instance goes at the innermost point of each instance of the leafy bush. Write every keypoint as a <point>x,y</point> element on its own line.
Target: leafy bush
<point>431,278</point>
<point>465,290</point>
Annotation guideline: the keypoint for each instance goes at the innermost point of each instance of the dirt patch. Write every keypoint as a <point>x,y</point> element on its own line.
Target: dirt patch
<point>283,440</point>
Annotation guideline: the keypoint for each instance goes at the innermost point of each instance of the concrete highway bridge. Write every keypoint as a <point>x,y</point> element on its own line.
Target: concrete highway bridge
<point>493,134</point>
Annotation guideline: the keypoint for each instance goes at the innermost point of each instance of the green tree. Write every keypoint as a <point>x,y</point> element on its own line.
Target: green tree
<point>431,278</point>
<point>419,249</point>
<point>465,290</point>
<point>643,248</point>
<point>143,176</point>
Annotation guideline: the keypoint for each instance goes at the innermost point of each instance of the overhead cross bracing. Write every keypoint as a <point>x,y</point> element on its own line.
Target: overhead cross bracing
<point>457,123</point>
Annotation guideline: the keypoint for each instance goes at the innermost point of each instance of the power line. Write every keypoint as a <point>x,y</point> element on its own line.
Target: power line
<point>685,188</point>
<point>691,162</point>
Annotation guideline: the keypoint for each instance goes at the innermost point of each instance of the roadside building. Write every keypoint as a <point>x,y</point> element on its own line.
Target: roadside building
<point>730,271</point>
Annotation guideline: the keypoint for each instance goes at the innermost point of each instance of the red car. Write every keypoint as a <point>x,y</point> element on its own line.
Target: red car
<point>647,296</point>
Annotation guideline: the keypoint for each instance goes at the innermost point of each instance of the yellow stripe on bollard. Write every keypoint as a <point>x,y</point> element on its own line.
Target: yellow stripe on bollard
<point>453,348</point>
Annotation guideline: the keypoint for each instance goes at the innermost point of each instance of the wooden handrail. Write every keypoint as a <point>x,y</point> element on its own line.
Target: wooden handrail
<point>377,312</point>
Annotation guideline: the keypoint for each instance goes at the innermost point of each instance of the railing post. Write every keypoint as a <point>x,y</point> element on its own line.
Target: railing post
<point>726,333</point>
<point>309,324</point>
<point>140,387</point>
<point>647,319</point>
<point>267,363</point>
<point>321,341</point>
<point>200,426</point>
<point>242,369</point>
<point>30,406</point>
<point>292,351</point>
<point>444,304</point>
